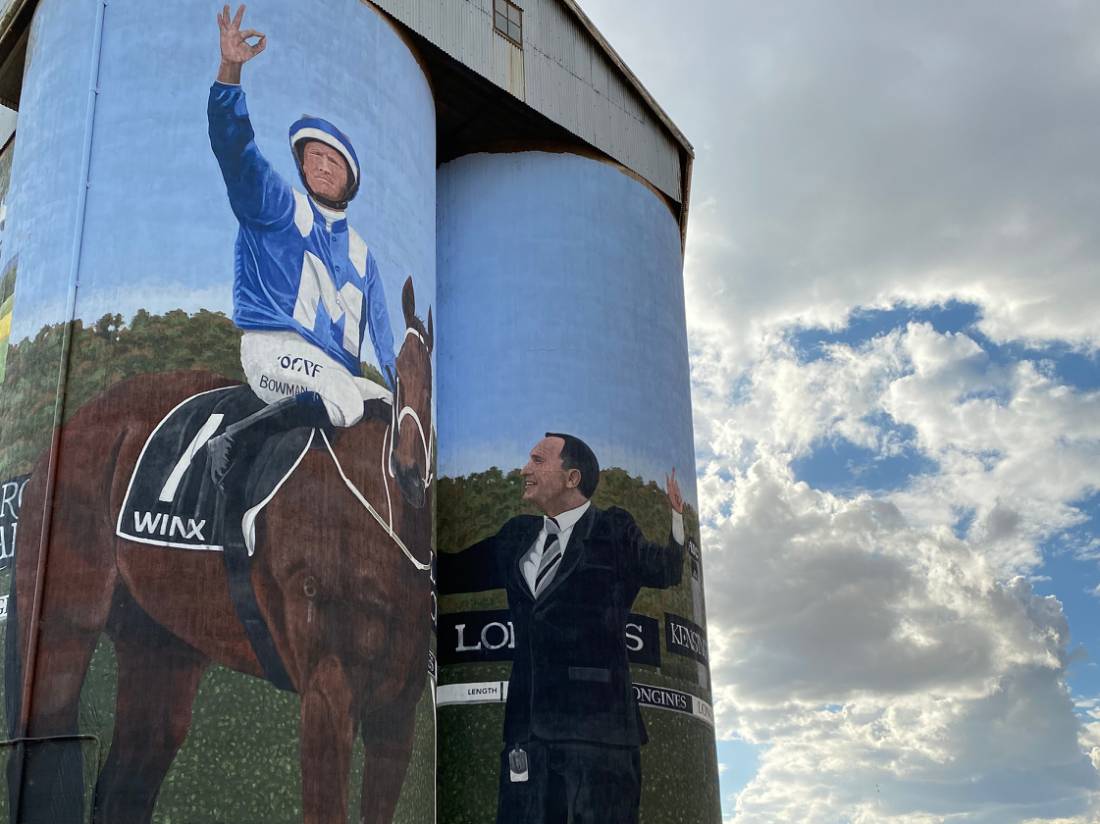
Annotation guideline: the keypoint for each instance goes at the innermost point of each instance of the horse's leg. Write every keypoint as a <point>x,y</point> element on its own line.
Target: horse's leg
<point>158,676</point>
<point>47,783</point>
<point>46,778</point>
<point>387,743</point>
<point>327,730</point>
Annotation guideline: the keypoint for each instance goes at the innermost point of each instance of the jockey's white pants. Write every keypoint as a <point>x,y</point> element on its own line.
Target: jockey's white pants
<point>281,363</point>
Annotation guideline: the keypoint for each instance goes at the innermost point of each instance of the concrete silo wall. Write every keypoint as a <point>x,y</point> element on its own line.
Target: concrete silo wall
<point>250,644</point>
<point>561,311</point>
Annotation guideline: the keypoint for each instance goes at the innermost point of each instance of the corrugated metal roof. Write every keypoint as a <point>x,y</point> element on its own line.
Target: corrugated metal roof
<point>566,71</point>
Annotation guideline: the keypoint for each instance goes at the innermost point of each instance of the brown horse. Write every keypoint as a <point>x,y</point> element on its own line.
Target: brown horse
<point>346,601</point>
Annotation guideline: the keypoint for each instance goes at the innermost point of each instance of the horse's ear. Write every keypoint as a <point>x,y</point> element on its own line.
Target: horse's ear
<point>408,301</point>
<point>431,331</point>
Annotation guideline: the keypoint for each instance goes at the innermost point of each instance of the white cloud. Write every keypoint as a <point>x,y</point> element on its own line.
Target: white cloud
<point>891,675</point>
<point>853,155</point>
<point>1013,446</point>
<point>817,598</point>
<point>893,670</point>
<point>856,153</point>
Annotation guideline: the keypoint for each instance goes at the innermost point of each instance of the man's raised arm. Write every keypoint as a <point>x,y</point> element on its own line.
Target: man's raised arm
<point>659,566</point>
<point>256,192</point>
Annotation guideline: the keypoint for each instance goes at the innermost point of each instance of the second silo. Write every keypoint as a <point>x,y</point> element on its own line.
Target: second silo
<point>573,679</point>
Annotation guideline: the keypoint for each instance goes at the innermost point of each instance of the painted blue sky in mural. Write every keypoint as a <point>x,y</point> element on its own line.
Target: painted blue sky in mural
<point>155,158</point>
<point>613,372</point>
<point>892,303</point>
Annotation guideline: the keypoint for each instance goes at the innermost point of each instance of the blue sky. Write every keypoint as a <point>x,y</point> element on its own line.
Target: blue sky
<point>892,311</point>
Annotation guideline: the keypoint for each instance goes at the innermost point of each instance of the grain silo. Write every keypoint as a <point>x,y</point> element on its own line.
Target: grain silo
<point>346,419</point>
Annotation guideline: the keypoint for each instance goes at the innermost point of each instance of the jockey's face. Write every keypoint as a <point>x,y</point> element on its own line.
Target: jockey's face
<point>325,171</point>
<point>546,483</point>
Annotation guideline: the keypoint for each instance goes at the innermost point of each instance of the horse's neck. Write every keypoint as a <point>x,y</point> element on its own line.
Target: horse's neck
<point>363,452</point>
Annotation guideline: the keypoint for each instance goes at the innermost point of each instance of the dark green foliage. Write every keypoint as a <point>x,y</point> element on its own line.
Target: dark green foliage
<point>7,154</point>
<point>372,374</point>
<point>475,506</point>
<point>27,400</point>
<point>102,354</point>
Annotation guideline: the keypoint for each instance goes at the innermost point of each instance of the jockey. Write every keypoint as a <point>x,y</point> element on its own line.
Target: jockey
<point>306,287</point>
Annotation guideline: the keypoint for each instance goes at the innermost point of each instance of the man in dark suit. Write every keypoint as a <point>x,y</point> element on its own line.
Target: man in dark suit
<point>572,727</point>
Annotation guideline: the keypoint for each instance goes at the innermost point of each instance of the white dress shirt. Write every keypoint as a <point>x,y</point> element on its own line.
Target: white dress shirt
<point>566,521</point>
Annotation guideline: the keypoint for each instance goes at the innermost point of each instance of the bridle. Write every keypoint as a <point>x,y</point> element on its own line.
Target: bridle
<point>400,413</point>
<point>385,523</point>
<point>387,464</point>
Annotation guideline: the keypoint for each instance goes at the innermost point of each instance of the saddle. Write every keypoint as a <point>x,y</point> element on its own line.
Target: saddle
<point>172,502</point>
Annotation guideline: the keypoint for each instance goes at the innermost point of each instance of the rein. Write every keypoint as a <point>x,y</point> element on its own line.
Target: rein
<point>386,524</point>
<point>406,411</point>
<point>396,417</point>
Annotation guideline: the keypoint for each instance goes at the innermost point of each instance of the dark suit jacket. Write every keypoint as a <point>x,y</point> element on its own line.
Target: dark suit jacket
<point>570,676</point>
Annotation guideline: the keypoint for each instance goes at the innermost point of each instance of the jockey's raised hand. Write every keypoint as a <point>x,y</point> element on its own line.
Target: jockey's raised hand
<point>236,50</point>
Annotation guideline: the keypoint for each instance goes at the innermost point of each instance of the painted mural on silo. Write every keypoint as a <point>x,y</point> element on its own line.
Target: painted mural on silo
<point>8,268</point>
<point>222,602</point>
<point>10,487</point>
<point>573,662</point>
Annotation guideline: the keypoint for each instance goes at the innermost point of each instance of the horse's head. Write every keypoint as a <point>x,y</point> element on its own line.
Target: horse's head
<point>411,449</point>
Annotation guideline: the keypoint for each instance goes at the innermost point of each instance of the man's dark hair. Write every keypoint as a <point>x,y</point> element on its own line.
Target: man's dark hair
<point>576,454</point>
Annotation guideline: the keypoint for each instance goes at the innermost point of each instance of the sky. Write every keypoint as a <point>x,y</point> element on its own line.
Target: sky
<point>892,301</point>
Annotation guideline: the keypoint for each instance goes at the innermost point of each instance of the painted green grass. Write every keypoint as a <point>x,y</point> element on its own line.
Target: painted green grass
<point>679,767</point>
<point>239,763</point>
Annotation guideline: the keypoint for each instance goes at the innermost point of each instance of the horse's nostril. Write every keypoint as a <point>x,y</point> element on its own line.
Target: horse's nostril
<point>412,485</point>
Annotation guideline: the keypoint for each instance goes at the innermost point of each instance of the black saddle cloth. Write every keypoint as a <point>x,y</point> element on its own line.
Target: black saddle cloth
<point>171,501</point>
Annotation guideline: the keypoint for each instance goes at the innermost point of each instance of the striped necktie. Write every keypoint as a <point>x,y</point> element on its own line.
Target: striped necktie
<point>551,557</point>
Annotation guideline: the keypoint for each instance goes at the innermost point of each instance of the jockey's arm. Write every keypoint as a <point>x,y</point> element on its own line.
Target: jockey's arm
<point>257,193</point>
<point>378,322</point>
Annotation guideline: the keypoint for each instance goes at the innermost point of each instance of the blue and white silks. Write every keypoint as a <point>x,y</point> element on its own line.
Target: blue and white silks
<point>295,268</point>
